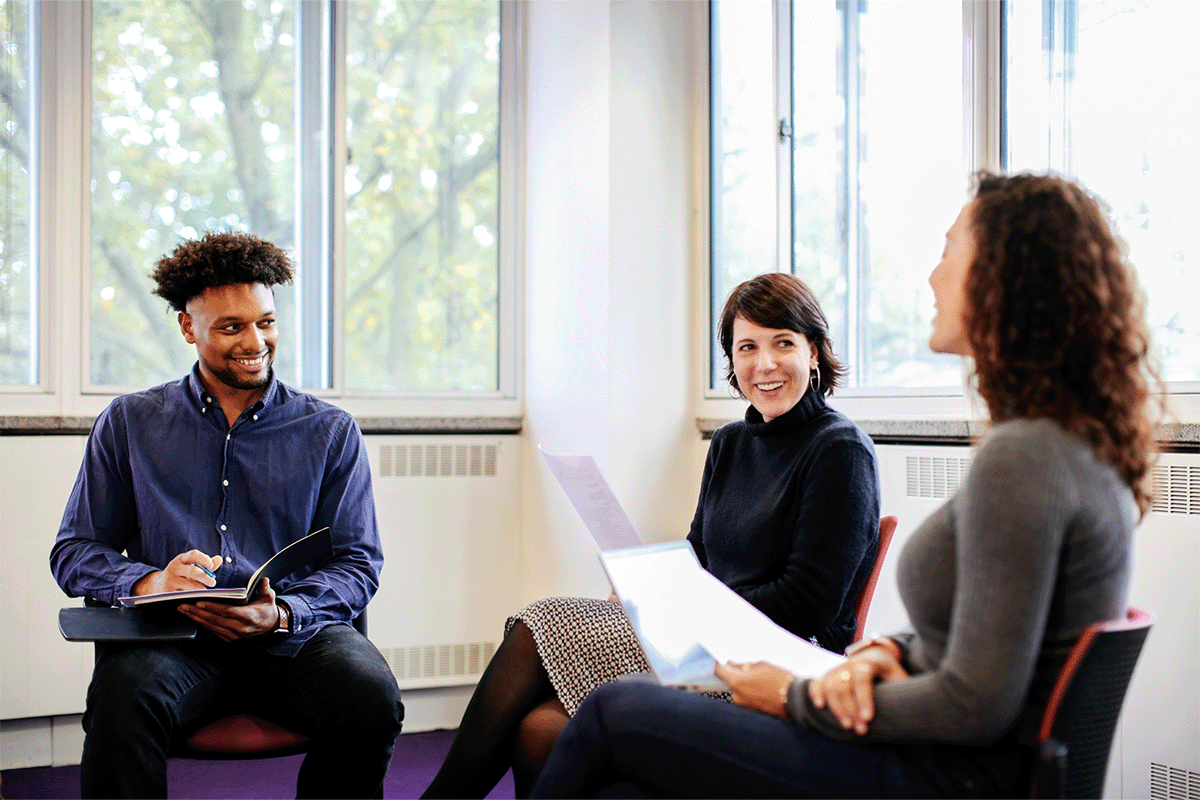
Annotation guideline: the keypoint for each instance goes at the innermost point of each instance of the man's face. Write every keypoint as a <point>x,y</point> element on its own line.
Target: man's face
<point>233,328</point>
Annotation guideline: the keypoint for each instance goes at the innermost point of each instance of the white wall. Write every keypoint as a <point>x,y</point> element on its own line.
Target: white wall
<point>608,357</point>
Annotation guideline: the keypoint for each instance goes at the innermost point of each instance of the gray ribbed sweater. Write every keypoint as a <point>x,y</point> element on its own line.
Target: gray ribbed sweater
<point>998,584</point>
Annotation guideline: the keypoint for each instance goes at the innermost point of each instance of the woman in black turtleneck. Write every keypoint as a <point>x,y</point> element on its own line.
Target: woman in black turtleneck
<point>788,517</point>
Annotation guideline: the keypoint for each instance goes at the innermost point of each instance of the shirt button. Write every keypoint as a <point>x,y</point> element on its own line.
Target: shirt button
<point>228,436</point>
<point>255,418</point>
<point>203,409</point>
<point>224,483</point>
<point>223,528</point>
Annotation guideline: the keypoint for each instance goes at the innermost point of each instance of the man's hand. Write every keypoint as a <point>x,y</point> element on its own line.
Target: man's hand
<point>231,623</point>
<point>190,570</point>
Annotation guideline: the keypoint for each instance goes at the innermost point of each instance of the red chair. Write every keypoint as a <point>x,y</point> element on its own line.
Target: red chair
<point>241,736</point>
<point>887,528</point>
<point>1081,715</point>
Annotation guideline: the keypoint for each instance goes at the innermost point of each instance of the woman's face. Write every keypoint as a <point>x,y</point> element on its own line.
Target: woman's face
<point>949,282</point>
<point>771,366</point>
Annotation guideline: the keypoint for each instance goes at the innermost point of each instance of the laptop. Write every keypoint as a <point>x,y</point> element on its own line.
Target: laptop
<point>685,619</point>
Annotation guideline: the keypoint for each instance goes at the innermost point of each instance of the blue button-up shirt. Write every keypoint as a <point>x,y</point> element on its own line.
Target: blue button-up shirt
<point>164,473</point>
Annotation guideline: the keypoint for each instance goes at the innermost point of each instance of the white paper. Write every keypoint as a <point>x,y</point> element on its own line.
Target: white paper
<point>587,490</point>
<point>679,604</point>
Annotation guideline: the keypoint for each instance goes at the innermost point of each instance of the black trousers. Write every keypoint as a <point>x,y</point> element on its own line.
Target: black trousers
<point>338,690</point>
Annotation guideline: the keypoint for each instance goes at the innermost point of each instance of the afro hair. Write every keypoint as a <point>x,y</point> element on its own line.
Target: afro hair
<point>218,259</point>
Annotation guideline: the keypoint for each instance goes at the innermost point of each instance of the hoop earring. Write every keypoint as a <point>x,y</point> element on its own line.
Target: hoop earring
<point>814,379</point>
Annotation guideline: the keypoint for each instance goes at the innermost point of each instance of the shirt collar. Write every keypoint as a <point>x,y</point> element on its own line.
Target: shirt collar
<point>205,400</point>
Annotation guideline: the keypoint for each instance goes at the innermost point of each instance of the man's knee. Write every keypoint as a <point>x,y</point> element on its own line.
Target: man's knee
<point>371,687</point>
<point>129,687</point>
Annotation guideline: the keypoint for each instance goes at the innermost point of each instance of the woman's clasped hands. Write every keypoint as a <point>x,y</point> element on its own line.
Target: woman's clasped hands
<point>848,690</point>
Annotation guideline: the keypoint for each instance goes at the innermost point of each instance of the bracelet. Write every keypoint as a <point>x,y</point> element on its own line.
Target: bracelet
<point>783,698</point>
<point>284,623</point>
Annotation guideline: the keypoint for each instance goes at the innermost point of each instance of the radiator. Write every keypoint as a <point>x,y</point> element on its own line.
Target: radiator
<point>449,517</point>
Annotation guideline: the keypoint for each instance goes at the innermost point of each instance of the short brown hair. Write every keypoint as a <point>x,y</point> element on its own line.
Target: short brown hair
<point>782,301</point>
<point>1054,317</point>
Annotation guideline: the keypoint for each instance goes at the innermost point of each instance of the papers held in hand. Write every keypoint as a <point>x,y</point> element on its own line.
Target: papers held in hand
<point>312,549</point>
<point>686,620</point>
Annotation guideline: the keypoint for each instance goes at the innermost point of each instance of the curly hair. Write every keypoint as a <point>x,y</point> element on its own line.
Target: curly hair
<point>218,259</point>
<point>782,301</point>
<point>1055,319</point>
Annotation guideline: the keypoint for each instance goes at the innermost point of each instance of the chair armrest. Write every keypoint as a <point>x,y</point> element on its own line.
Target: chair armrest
<point>1050,769</point>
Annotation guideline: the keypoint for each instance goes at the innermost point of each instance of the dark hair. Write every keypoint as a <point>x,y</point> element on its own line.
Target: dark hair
<point>218,259</point>
<point>1054,318</point>
<point>782,301</point>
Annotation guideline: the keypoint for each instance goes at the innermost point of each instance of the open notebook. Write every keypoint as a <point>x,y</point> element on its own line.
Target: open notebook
<point>685,619</point>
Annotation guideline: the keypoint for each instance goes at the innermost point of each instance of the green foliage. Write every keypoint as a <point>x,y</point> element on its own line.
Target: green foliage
<point>421,196</point>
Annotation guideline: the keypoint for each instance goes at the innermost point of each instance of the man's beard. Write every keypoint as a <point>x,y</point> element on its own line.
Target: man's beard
<point>233,380</point>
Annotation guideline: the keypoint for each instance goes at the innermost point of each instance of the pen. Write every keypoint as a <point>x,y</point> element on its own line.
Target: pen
<point>207,571</point>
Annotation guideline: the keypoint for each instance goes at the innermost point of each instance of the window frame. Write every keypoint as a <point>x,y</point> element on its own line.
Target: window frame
<point>61,40</point>
<point>983,92</point>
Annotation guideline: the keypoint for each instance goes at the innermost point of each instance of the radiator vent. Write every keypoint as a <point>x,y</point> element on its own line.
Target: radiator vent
<point>1172,783</point>
<point>935,476</point>
<point>437,460</point>
<point>1176,489</point>
<point>438,664</point>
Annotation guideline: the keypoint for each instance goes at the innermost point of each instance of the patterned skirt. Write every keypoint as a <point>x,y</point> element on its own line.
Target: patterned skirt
<point>583,643</point>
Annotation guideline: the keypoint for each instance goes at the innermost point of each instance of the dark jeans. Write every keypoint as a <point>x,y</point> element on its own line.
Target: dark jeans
<point>337,690</point>
<point>641,740</point>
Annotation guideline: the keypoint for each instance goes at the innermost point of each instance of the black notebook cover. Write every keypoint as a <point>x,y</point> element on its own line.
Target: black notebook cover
<point>88,624</point>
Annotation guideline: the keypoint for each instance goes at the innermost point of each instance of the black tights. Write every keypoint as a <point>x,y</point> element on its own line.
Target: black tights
<point>512,720</point>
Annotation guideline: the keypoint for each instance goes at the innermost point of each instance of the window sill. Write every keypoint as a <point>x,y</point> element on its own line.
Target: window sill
<point>74,426</point>
<point>1181,437</point>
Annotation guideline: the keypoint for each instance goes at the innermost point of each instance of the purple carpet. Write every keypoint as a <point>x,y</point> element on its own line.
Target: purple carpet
<point>416,760</point>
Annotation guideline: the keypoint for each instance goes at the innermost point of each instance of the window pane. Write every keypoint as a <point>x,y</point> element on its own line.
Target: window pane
<point>880,173</point>
<point>18,281</point>
<point>744,166</point>
<point>192,130</point>
<point>1105,90</point>
<point>421,182</point>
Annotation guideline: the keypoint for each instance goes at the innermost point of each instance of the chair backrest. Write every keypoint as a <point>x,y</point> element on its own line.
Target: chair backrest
<point>887,527</point>
<point>1081,715</point>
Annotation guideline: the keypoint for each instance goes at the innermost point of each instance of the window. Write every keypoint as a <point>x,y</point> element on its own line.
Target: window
<point>18,280</point>
<point>885,109</point>
<point>192,130</point>
<point>422,181</point>
<point>1103,89</point>
<point>365,138</point>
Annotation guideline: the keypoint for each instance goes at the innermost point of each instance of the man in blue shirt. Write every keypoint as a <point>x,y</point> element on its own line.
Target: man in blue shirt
<point>197,483</point>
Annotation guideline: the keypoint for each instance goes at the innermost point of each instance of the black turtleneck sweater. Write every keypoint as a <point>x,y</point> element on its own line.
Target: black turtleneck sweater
<point>789,517</point>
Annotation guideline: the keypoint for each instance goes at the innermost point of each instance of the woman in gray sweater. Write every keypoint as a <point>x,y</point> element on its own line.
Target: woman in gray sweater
<point>998,583</point>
